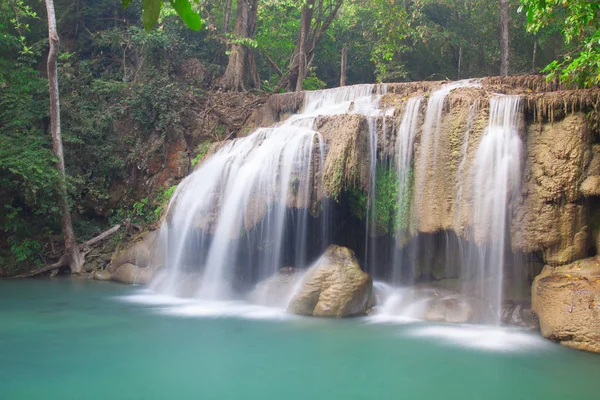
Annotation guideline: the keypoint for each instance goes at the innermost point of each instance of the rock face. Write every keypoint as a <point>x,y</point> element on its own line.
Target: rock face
<point>551,216</point>
<point>139,253</point>
<point>132,274</point>
<point>335,287</point>
<point>566,300</point>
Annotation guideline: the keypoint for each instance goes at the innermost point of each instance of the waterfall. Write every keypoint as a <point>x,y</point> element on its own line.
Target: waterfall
<point>259,204</point>
<point>229,218</point>
<point>405,140</point>
<point>497,174</point>
<point>486,180</point>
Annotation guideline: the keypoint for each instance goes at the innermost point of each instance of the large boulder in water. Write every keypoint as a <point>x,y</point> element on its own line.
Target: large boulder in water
<point>132,274</point>
<point>334,287</point>
<point>566,300</point>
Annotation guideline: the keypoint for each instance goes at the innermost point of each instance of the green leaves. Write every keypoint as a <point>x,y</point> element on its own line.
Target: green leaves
<point>580,30</point>
<point>151,12</point>
<point>187,14</point>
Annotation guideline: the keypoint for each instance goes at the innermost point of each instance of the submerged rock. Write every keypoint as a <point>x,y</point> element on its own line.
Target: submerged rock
<point>130,273</point>
<point>449,309</point>
<point>519,314</point>
<point>101,275</point>
<point>276,290</point>
<point>334,287</point>
<point>567,301</point>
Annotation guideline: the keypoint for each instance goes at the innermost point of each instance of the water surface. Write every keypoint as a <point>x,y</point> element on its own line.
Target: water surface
<point>77,339</point>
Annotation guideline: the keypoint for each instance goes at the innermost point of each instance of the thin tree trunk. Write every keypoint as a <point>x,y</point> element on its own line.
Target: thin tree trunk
<point>504,39</point>
<point>311,33</point>
<point>227,16</point>
<point>253,69</point>
<point>533,70</point>
<point>344,66</point>
<point>305,19</point>
<point>459,62</point>
<point>71,250</point>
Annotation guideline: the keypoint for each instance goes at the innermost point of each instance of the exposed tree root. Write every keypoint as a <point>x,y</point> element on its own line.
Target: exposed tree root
<point>63,261</point>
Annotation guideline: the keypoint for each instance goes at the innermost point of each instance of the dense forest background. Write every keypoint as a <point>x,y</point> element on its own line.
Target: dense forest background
<point>130,98</point>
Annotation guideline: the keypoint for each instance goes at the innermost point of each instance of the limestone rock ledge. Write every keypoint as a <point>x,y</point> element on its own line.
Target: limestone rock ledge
<point>132,265</point>
<point>567,301</point>
<point>334,287</point>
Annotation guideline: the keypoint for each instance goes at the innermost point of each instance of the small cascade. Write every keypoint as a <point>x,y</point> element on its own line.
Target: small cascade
<point>497,173</point>
<point>405,140</point>
<point>429,144</point>
<point>374,113</point>
<point>464,151</point>
<point>229,219</point>
<point>371,223</point>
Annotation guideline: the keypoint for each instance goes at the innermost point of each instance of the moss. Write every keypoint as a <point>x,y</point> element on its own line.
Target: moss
<point>403,213</point>
<point>386,197</point>
<point>357,201</point>
<point>337,181</point>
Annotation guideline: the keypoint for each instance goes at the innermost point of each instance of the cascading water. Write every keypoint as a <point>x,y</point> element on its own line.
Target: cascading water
<point>374,113</point>
<point>493,175</point>
<point>230,216</point>
<point>497,173</point>
<point>405,140</point>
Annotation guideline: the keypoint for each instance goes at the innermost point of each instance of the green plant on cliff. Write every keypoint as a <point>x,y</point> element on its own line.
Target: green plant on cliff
<point>357,201</point>
<point>581,31</point>
<point>386,204</point>
<point>386,197</point>
<point>402,221</point>
<point>162,199</point>
<point>201,152</point>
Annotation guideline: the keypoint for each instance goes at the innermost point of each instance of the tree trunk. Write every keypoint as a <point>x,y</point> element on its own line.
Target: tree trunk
<point>234,78</point>
<point>301,51</point>
<point>311,33</point>
<point>504,40</point>
<point>460,51</point>
<point>227,15</point>
<point>253,70</point>
<point>533,70</point>
<point>344,66</point>
<point>71,250</point>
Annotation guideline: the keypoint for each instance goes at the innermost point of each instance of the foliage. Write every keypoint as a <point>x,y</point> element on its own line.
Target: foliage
<point>386,197</point>
<point>151,12</point>
<point>357,201</point>
<point>580,22</point>
<point>201,152</point>
<point>386,204</point>
<point>405,195</point>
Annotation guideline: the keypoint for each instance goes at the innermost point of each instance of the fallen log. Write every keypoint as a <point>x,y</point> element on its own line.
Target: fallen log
<point>64,260</point>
